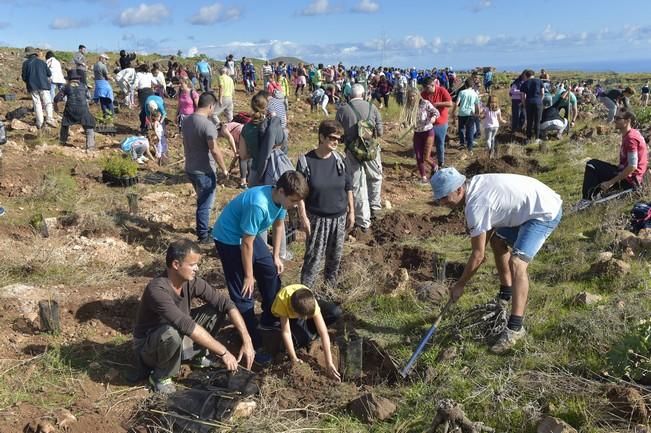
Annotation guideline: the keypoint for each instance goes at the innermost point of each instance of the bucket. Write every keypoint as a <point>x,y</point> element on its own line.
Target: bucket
<point>50,318</point>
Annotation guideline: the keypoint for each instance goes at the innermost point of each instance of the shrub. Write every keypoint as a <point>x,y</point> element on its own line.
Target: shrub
<point>643,115</point>
<point>630,357</point>
<point>119,166</point>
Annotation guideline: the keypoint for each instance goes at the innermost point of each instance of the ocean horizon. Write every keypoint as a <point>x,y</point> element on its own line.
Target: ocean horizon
<point>617,65</point>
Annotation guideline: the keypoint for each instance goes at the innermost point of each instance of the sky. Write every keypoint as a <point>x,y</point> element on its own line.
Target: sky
<point>507,34</point>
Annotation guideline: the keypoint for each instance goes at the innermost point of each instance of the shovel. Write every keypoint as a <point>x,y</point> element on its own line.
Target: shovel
<point>423,342</point>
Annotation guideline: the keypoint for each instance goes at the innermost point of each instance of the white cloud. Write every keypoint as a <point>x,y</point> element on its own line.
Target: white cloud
<point>66,23</point>
<point>192,51</point>
<point>366,7</point>
<point>481,5</point>
<point>214,13</point>
<point>317,7</point>
<point>481,40</point>
<point>144,14</point>
<point>415,42</point>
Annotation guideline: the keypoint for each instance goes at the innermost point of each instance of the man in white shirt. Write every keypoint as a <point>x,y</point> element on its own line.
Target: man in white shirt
<point>509,211</point>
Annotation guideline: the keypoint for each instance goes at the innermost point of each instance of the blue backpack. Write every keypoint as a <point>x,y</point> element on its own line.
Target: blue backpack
<point>640,217</point>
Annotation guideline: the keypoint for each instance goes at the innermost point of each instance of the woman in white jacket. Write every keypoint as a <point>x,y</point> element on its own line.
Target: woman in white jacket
<point>56,79</point>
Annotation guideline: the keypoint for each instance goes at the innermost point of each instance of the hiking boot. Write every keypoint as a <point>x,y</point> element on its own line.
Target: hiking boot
<point>163,386</point>
<point>51,123</point>
<point>507,340</point>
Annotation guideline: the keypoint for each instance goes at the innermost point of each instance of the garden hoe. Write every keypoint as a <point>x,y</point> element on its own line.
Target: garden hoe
<point>423,342</point>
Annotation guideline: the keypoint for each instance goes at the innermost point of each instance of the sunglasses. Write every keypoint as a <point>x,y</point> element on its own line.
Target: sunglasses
<point>334,137</point>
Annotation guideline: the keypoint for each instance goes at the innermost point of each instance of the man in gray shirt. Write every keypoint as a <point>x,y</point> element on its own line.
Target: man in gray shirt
<point>201,152</point>
<point>79,59</point>
<point>165,318</point>
<point>366,175</point>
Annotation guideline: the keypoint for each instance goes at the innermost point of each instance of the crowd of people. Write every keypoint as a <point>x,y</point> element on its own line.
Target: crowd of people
<point>334,189</point>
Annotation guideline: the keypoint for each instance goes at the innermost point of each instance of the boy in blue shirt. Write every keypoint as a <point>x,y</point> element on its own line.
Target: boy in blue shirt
<point>245,256</point>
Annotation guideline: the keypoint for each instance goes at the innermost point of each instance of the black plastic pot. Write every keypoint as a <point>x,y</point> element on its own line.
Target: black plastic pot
<point>119,180</point>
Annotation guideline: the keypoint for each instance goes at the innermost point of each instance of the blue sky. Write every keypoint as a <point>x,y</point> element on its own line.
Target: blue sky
<point>461,33</point>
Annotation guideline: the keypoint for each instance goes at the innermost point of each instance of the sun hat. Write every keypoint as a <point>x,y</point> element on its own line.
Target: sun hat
<point>445,181</point>
<point>29,51</point>
<point>104,56</point>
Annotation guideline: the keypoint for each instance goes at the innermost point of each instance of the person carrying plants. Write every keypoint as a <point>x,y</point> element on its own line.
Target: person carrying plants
<point>515,214</point>
<point>244,254</point>
<point>76,110</point>
<point>301,317</point>
<point>166,318</point>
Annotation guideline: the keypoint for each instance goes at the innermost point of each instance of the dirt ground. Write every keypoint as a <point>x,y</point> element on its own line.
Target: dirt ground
<point>107,260</point>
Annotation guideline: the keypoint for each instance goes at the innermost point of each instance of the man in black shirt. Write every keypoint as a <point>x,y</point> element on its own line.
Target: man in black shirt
<point>165,318</point>
<point>552,122</point>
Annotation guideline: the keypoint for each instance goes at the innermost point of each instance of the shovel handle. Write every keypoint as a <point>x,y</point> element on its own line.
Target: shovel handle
<point>423,342</point>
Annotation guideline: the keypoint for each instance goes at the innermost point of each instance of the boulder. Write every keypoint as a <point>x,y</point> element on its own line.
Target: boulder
<point>369,408</point>
<point>549,424</point>
<point>432,291</point>
<point>585,298</point>
<point>19,125</point>
<point>606,265</point>
<point>627,403</point>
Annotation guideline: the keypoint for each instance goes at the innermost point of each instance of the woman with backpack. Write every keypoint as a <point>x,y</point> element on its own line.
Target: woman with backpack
<point>263,138</point>
<point>328,210</point>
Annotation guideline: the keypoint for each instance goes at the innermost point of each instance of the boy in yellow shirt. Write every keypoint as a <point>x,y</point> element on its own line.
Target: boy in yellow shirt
<point>294,306</point>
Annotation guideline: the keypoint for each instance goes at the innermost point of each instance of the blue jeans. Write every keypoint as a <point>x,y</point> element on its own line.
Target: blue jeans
<point>266,278</point>
<point>440,131</point>
<point>204,185</point>
<point>467,131</point>
<point>527,239</point>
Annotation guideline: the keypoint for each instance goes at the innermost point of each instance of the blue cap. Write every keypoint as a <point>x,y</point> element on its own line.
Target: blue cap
<point>445,181</point>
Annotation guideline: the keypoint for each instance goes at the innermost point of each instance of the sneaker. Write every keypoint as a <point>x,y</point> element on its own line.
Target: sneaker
<point>51,123</point>
<point>201,361</point>
<point>582,204</point>
<point>140,160</point>
<point>502,303</point>
<point>163,386</point>
<point>507,339</point>
<point>206,241</point>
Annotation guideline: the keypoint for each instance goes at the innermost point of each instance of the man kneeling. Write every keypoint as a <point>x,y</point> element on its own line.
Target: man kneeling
<point>165,318</point>
<point>300,316</point>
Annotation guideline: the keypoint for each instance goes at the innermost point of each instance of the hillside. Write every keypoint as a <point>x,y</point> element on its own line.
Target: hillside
<point>585,359</point>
